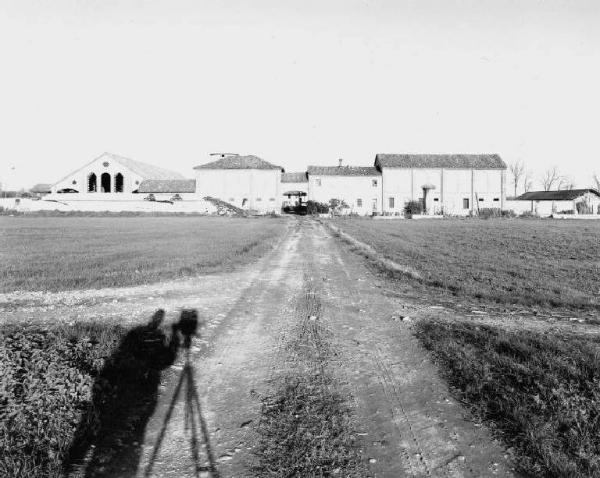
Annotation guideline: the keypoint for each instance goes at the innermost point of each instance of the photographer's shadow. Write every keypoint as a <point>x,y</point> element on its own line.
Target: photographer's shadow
<point>193,420</point>
<point>110,434</point>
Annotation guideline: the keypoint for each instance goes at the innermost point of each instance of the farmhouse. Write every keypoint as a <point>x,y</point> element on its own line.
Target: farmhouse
<point>248,182</point>
<point>359,187</point>
<point>568,201</point>
<point>459,184</point>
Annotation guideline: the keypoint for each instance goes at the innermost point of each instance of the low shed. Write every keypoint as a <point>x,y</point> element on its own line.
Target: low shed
<point>568,201</point>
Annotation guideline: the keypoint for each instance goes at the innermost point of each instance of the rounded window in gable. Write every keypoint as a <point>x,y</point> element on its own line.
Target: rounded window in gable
<point>106,164</point>
<point>137,182</point>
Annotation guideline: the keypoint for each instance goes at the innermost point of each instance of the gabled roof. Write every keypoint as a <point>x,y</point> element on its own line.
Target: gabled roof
<point>41,188</point>
<point>562,195</point>
<point>294,178</point>
<point>449,161</point>
<point>239,162</point>
<point>343,171</point>
<point>145,170</point>
<point>167,186</point>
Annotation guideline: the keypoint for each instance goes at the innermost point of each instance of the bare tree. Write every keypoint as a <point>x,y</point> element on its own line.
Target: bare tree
<point>596,183</point>
<point>551,177</point>
<point>517,170</point>
<point>566,183</point>
<point>528,181</point>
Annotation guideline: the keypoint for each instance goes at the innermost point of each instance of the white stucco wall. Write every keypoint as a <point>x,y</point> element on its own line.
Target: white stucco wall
<point>130,180</point>
<point>351,189</point>
<point>452,187</point>
<point>258,189</point>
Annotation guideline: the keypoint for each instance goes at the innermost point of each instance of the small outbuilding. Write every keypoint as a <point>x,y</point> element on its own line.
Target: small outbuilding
<point>567,201</point>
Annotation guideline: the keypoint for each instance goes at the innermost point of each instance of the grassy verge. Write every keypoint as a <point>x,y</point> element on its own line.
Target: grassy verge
<point>541,392</point>
<point>306,424</point>
<point>517,261</point>
<point>71,253</point>
<point>62,387</point>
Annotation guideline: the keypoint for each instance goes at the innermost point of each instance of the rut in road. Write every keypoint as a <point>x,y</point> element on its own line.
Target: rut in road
<point>306,426</point>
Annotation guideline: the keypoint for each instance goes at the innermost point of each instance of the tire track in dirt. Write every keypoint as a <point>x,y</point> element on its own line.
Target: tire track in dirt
<point>231,368</point>
<point>403,406</point>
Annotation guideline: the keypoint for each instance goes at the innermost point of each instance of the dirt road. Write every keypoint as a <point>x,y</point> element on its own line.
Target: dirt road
<point>404,419</point>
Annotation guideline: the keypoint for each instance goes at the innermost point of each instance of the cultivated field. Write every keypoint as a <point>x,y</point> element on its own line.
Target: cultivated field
<point>63,253</point>
<point>532,378</point>
<point>531,262</point>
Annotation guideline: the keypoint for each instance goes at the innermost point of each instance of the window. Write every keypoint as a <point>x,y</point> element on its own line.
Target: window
<point>436,199</point>
<point>374,204</point>
<point>318,182</point>
<point>272,199</point>
<point>391,203</point>
<point>496,199</point>
<point>105,183</point>
<point>92,183</point>
<point>466,203</point>
<point>258,199</point>
<point>374,182</point>
<point>359,203</point>
<point>480,199</point>
<point>119,183</point>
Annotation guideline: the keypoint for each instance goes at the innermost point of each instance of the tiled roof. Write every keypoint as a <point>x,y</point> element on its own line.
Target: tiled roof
<point>343,171</point>
<point>449,161</point>
<point>562,195</point>
<point>239,162</point>
<point>168,186</point>
<point>294,178</point>
<point>146,171</point>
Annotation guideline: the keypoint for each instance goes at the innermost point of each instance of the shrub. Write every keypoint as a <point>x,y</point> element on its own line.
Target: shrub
<point>487,212</point>
<point>314,207</point>
<point>413,207</point>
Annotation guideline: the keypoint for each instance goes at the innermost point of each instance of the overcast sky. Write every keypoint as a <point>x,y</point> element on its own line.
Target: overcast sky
<point>296,83</point>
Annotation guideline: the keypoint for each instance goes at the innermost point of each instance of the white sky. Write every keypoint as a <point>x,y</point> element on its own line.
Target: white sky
<point>296,83</point>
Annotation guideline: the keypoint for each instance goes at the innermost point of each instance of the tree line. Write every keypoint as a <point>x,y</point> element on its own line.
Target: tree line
<point>551,179</point>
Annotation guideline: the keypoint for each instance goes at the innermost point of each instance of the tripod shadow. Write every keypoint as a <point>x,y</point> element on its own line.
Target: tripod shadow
<point>194,422</point>
<point>110,434</point>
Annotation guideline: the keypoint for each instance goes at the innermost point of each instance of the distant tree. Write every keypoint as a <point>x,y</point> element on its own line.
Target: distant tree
<point>336,205</point>
<point>551,177</point>
<point>528,181</point>
<point>517,171</point>
<point>566,183</point>
<point>596,183</point>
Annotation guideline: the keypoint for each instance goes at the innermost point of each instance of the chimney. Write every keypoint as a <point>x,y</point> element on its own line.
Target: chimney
<point>340,160</point>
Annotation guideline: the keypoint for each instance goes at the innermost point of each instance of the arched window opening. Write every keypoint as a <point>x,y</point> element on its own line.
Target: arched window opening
<point>119,183</point>
<point>92,183</point>
<point>105,182</point>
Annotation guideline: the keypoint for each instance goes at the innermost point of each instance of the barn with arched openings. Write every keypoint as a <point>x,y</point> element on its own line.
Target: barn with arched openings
<point>111,174</point>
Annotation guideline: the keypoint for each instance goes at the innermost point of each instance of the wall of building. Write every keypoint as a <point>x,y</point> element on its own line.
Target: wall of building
<point>79,179</point>
<point>257,189</point>
<point>456,191</point>
<point>360,193</point>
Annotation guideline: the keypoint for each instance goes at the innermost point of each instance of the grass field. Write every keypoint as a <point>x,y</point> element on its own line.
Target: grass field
<point>555,263</point>
<point>63,253</point>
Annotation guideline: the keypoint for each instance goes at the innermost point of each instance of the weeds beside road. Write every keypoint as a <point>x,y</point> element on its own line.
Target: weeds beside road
<point>540,391</point>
